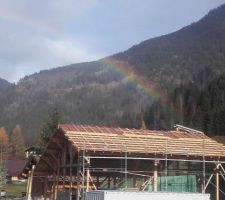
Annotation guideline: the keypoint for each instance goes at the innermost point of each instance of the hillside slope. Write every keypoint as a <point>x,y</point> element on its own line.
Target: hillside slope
<point>4,84</point>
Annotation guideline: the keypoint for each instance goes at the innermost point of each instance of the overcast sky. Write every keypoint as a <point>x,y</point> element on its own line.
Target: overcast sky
<point>43,34</point>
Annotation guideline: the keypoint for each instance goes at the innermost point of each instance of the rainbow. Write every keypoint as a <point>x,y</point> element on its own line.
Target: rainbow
<point>141,82</point>
<point>149,87</point>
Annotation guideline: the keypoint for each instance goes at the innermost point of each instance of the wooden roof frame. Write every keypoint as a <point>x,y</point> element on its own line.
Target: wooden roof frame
<point>135,141</point>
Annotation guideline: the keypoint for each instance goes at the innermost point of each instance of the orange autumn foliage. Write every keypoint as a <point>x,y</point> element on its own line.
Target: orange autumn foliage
<point>4,138</point>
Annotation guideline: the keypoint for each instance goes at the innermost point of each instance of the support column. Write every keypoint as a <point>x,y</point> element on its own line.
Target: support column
<point>88,175</point>
<point>204,180</point>
<point>57,181</point>
<point>30,183</point>
<point>125,170</point>
<point>78,175</point>
<point>71,153</point>
<point>64,165</point>
<point>204,167</point>
<point>155,178</point>
<point>88,180</point>
<point>217,183</point>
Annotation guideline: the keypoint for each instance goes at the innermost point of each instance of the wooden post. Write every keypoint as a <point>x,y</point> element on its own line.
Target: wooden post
<point>30,183</point>
<point>155,185</point>
<point>71,177</point>
<point>78,176</point>
<point>57,181</point>
<point>64,164</point>
<point>217,183</point>
<point>88,179</point>
<point>88,174</point>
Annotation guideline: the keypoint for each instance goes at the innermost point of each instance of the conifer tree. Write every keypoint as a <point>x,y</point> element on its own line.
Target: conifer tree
<point>48,129</point>
<point>18,144</point>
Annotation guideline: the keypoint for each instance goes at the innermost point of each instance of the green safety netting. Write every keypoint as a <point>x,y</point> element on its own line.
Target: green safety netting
<point>182,183</point>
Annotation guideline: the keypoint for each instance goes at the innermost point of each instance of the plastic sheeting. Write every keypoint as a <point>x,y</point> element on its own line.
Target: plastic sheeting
<point>182,183</point>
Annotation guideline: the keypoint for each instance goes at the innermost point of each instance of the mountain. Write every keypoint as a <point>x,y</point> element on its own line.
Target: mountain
<point>188,55</point>
<point>88,93</point>
<point>121,90</point>
<point>4,84</point>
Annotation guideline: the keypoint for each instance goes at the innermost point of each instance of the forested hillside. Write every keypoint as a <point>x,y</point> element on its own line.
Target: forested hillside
<point>193,107</point>
<point>89,93</point>
<point>175,78</point>
<point>4,84</point>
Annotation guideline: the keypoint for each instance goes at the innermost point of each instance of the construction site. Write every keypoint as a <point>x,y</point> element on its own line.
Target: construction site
<point>87,162</point>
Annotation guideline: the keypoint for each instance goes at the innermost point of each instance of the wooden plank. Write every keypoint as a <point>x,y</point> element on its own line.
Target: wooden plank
<point>64,163</point>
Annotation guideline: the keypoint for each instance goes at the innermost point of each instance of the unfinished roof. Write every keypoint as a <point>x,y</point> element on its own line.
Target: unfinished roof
<point>103,139</point>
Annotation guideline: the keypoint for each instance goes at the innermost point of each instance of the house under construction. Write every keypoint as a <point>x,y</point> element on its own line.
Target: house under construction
<point>83,158</point>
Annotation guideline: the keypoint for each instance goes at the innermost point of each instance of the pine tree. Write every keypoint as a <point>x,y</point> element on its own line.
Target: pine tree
<point>48,129</point>
<point>18,144</point>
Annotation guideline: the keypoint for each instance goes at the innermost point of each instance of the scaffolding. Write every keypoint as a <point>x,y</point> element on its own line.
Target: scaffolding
<point>79,159</point>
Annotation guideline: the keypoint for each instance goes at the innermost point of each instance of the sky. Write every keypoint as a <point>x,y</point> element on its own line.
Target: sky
<point>43,34</point>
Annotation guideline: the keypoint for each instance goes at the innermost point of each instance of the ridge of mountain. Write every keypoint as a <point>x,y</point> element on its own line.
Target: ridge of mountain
<point>190,50</point>
<point>4,84</point>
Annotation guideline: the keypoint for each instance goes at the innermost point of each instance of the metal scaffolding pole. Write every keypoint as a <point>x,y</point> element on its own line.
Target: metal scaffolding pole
<point>166,166</point>
<point>217,183</point>
<point>203,191</point>
<point>83,173</point>
<point>204,174</point>
<point>155,178</point>
<point>159,159</point>
<point>126,170</point>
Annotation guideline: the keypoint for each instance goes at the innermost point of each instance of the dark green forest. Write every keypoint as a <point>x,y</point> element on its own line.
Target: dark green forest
<point>203,109</point>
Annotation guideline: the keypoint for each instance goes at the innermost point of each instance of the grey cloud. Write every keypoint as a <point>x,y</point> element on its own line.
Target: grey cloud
<point>42,34</point>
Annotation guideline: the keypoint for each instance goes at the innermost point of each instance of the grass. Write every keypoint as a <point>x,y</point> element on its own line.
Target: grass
<point>14,189</point>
